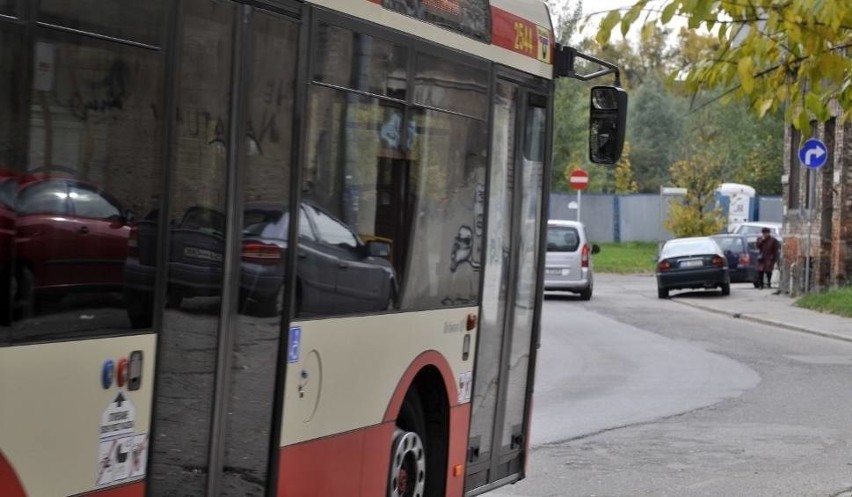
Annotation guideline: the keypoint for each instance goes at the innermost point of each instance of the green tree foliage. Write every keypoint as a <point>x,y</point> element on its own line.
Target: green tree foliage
<point>570,130</point>
<point>655,125</point>
<point>624,182</point>
<point>695,214</point>
<point>769,52</point>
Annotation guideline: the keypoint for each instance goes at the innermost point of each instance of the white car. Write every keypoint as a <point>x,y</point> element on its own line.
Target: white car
<point>568,263</point>
<point>754,228</point>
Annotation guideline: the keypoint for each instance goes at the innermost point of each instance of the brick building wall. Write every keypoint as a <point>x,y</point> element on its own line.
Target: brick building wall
<point>818,211</point>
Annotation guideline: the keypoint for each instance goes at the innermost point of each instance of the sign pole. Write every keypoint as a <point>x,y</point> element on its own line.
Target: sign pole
<point>579,193</point>
<point>812,154</point>
<point>811,193</point>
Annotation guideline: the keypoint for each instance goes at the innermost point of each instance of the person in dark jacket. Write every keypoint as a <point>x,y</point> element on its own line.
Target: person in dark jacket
<point>768,248</point>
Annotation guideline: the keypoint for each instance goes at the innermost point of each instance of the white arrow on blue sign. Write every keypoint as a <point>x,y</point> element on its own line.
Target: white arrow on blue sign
<point>813,153</point>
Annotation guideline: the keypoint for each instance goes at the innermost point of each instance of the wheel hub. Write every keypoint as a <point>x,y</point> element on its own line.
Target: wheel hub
<point>407,465</point>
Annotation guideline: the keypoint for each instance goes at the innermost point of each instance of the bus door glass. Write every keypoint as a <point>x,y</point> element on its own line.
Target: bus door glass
<point>502,376</point>
<point>227,229</point>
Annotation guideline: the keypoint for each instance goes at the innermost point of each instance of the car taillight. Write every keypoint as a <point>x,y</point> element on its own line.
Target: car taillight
<point>717,261</point>
<point>261,253</point>
<point>133,242</point>
<point>663,266</point>
<point>584,255</point>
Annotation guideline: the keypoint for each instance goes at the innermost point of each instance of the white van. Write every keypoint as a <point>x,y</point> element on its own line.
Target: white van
<point>568,263</point>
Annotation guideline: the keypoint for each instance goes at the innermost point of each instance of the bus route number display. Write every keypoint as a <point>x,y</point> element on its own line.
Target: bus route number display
<point>468,17</point>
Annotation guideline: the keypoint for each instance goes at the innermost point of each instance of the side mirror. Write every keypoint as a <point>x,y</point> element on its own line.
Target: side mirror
<point>378,249</point>
<point>607,123</point>
<point>595,248</point>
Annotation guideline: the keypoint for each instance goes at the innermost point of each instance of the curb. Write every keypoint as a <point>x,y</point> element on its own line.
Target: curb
<point>770,322</point>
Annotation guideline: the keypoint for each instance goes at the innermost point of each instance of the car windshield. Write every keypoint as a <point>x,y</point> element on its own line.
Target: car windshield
<point>678,248</point>
<point>562,239</point>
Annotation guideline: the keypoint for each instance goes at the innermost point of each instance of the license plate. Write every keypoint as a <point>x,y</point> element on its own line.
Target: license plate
<point>203,254</point>
<point>691,263</point>
<point>553,271</point>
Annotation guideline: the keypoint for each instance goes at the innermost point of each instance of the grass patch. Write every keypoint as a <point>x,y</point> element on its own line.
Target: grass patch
<point>626,258</point>
<point>837,301</point>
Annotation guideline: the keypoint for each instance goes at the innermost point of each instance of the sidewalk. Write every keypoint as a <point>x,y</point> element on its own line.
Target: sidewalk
<point>767,307</point>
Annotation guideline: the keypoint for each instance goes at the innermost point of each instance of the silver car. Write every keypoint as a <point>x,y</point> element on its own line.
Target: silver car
<point>568,263</point>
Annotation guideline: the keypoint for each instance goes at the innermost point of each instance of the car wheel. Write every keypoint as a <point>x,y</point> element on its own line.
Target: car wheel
<point>391,302</point>
<point>174,300</point>
<point>586,293</point>
<point>24,296</point>
<point>662,293</point>
<point>6,292</point>
<point>139,308</point>
<point>271,305</point>
<point>726,288</point>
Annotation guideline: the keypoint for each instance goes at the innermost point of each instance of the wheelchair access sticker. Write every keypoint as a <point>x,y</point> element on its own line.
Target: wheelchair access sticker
<point>294,343</point>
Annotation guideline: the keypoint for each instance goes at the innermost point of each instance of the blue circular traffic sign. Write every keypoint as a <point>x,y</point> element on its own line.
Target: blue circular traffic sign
<point>813,153</point>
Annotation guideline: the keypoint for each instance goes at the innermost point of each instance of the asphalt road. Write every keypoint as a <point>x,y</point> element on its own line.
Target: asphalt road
<point>646,397</point>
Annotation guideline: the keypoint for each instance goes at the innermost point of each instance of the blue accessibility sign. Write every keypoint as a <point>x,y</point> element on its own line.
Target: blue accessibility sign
<point>295,343</point>
<point>813,153</point>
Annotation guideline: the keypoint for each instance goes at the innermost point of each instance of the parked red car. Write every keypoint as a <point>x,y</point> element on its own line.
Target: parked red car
<point>70,235</point>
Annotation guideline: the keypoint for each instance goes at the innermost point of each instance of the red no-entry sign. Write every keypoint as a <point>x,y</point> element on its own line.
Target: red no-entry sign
<point>579,179</point>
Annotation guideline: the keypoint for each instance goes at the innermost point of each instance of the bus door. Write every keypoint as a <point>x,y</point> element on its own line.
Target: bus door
<point>215,418</point>
<point>510,296</point>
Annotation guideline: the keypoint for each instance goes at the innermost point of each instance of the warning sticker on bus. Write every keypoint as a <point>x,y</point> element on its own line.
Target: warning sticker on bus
<point>465,386</point>
<point>122,453</point>
<point>122,459</point>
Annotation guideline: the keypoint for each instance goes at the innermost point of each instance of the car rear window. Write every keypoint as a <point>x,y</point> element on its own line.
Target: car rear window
<point>562,239</point>
<point>691,247</point>
<point>272,224</point>
<point>730,243</point>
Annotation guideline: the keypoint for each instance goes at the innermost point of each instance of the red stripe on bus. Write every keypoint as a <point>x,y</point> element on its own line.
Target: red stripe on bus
<point>428,358</point>
<point>136,489</point>
<point>10,485</point>
<point>521,36</point>
<point>346,465</point>
<point>357,462</point>
<point>459,433</point>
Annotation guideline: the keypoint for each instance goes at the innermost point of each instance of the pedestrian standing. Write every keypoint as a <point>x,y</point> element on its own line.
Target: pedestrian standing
<point>768,249</point>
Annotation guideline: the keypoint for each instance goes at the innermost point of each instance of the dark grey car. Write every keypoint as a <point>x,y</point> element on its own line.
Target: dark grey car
<point>691,263</point>
<point>337,273</point>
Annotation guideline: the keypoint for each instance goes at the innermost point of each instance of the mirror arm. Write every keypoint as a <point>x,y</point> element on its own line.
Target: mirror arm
<point>564,65</point>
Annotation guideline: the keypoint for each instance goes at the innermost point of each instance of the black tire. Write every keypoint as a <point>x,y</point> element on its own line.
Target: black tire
<point>266,305</point>
<point>24,300</point>
<point>586,293</point>
<point>6,304</point>
<point>408,475</point>
<point>662,293</point>
<point>139,308</point>
<point>174,300</point>
<point>726,289</point>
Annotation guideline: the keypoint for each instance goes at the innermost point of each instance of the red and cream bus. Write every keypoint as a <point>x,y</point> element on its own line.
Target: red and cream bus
<point>158,335</point>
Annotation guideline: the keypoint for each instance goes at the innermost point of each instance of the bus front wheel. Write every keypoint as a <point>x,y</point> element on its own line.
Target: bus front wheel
<point>408,454</point>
